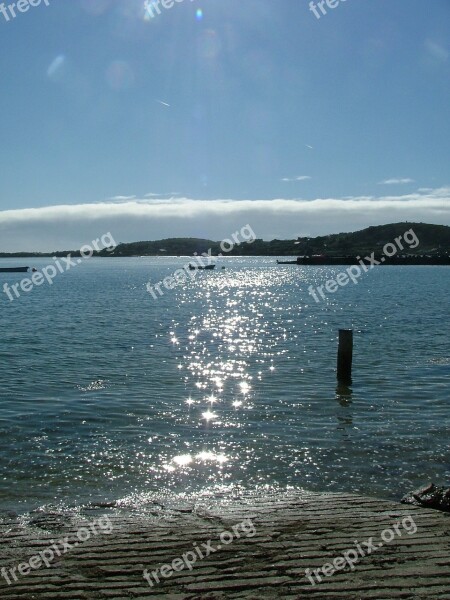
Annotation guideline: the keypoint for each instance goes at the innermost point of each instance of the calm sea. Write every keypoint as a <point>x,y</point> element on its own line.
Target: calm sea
<point>227,381</point>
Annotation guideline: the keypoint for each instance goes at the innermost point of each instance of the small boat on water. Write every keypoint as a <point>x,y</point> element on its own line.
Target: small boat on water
<point>286,262</point>
<point>14,269</point>
<point>205,268</point>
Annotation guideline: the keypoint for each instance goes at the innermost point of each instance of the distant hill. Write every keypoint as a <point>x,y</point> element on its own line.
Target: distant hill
<point>433,240</point>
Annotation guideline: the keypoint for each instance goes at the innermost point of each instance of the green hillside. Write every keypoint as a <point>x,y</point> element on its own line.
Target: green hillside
<point>434,239</point>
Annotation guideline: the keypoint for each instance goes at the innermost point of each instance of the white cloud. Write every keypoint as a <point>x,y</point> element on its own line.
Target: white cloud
<point>396,181</point>
<point>156,195</point>
<point>298,178</point>
<point>122,198</point>
<point>70,226</point>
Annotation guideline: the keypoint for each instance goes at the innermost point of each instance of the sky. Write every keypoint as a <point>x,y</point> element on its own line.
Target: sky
<point>214,114</point>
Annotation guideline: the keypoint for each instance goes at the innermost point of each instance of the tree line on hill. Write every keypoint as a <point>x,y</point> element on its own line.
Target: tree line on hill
<point>434,240</point>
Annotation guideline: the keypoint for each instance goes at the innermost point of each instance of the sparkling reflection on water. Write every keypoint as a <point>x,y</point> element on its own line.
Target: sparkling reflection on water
<point>226,381</point>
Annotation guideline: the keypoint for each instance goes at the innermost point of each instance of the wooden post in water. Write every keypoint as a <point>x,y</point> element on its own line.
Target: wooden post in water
<point>345,356</point>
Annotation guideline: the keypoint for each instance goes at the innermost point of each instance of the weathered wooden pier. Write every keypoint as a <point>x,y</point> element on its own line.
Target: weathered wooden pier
<point>295,531</point>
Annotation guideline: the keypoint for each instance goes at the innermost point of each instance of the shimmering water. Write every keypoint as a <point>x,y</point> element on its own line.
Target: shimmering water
<point>227,380</point>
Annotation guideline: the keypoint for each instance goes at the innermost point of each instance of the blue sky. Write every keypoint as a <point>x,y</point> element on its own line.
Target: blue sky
<point>196,124</point>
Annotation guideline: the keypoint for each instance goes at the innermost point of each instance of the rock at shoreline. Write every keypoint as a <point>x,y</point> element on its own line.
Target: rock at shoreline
<point>430,496</point>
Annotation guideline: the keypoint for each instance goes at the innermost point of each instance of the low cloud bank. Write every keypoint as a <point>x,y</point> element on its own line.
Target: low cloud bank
<point>69,226</point>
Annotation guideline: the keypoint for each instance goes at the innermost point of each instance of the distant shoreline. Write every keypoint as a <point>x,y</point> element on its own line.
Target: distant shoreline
<point>433,244</point>
<point>393,261</point>
<point>294,261</point>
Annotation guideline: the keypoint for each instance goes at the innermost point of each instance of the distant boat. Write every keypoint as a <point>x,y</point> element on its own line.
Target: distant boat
<point>286,262</point>
<point>205,268</point>
<point>14,269</point>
